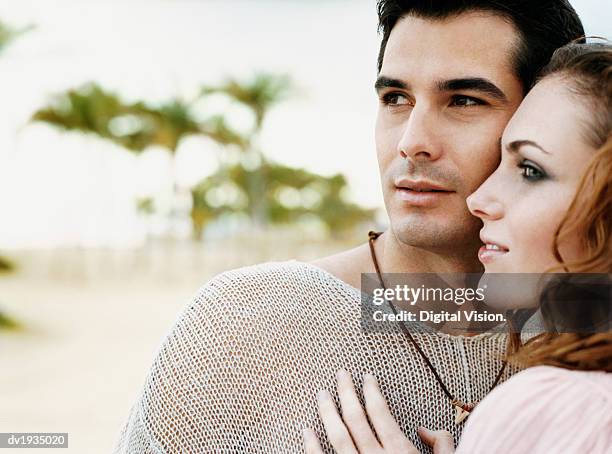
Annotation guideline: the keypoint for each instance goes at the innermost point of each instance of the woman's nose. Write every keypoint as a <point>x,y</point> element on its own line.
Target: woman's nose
<point>484,207</point>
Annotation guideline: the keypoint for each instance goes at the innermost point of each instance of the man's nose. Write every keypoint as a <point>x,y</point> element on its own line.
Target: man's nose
<point>483,205</point>
<point>420,140</point>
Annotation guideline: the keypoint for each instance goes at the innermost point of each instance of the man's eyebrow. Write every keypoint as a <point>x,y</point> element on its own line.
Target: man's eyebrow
<point>389,82</point>
<point>473,83</point>
<point>515,145</point>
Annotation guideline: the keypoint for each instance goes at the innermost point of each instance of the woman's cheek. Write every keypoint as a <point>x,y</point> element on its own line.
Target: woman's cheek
<point>540,220</point>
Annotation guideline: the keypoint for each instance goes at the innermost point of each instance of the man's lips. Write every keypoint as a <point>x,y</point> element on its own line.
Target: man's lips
<point>420,193</point>
<point>491,251</point>
<point>420,186</point>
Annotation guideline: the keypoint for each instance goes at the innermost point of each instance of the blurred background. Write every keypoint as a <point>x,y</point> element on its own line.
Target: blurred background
<point>146,146</point>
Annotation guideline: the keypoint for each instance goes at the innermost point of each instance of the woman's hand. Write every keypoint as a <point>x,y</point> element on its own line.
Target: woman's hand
<point>351,432</point>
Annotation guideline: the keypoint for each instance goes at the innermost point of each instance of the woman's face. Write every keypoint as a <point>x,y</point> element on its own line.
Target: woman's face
<point>524,201</point>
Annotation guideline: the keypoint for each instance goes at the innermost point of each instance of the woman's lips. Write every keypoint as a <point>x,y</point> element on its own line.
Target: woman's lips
<point>490,252</point>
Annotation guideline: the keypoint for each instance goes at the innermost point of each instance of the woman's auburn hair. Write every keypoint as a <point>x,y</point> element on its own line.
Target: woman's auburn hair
<point>588,70</point>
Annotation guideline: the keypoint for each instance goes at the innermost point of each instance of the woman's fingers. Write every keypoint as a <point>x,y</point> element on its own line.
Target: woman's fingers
<point>311,442</point>
<point>337,432</point>
<point>389,432</point>
<point>440,440</point>
<point>353,415</point>
<point>350,431</point>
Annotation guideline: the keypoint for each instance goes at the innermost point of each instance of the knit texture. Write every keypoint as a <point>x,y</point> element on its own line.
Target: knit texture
<point>240,369</point>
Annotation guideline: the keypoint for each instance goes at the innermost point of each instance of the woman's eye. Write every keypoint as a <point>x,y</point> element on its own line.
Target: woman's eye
<point>531,172</point>
<point>395,99</point>
<point>466,101</point>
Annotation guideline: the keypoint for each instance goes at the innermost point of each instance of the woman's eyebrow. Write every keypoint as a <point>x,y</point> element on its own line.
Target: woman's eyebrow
<point>516,144</point>
<point>473,83</point>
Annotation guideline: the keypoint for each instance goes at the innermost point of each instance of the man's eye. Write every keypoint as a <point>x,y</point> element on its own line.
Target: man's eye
<point>466,101</point>
<point>531,172</point>
<point>395,99</point>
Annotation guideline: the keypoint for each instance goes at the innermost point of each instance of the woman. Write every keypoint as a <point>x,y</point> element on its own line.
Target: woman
<point>547,207</point>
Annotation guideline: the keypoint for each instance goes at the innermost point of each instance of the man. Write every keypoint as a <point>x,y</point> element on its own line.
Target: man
<point>240,370</point>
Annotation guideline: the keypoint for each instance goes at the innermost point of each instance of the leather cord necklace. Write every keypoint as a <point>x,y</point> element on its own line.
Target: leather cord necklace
<point>462,409</point>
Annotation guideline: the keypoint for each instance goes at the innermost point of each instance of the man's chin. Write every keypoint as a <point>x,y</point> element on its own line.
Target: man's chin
<point>428,231</point>
<point>425,235</point>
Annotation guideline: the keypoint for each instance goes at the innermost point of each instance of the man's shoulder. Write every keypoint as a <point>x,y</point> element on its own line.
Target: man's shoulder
<point>272,282</point>
<point>348,265</point>
<point>260,273</point>
<point>265,275</point>
<point>259,300</point>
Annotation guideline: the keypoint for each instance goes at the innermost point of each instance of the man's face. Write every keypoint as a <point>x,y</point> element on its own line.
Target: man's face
<point>447,88</point>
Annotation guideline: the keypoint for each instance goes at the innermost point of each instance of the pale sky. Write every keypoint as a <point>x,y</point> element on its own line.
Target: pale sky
<point>64,189</point>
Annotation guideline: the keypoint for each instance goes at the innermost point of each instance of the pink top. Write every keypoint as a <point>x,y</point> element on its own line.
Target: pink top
<point>543,410</point>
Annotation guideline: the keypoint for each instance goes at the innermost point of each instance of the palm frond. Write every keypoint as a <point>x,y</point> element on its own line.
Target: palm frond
<point>9,34</point>
<point>259,94</point>
<point>7,323</point>
<point>6,266</point>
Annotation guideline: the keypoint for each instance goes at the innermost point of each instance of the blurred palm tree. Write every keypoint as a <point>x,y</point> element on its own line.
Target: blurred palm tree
<point>7,323</point>
<point>8,34</point>
<point>6,266</point>
<point>134,126</point>
<point>259,94</point>
<point>291,196</point>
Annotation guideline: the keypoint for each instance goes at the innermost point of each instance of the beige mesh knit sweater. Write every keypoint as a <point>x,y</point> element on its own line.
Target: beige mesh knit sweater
<point>240,369</point>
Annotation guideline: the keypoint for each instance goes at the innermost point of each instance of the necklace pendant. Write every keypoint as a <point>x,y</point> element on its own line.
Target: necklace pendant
<point>462,411</point>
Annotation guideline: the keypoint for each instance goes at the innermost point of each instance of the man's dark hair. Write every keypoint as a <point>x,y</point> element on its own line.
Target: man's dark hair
<point>543,25</point>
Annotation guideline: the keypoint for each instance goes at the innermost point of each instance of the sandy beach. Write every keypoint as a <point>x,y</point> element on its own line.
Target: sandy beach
<point>91,323</point>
